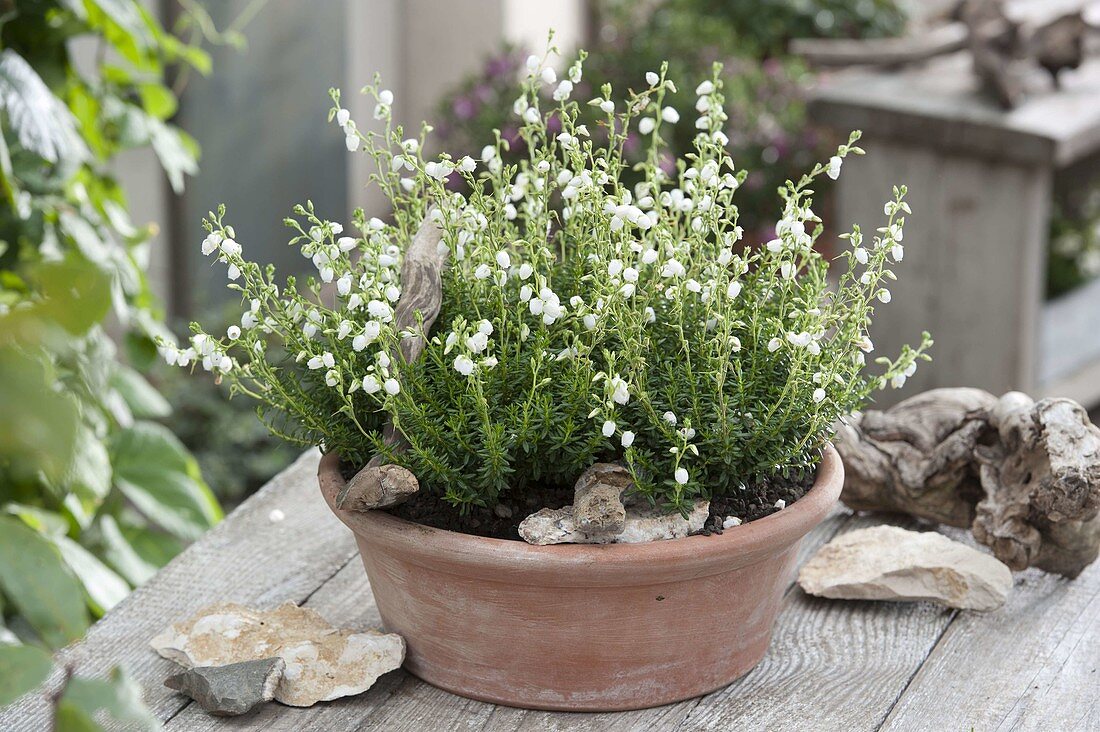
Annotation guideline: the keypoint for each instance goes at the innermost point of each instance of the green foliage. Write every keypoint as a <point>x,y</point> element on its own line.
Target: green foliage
<point>117,701</point>
<point>582,319</point>
<point>1074,256</point>
<point>767,26</point>
<point>39,585</point>
<point>235,451</point>
<point>93,496</point>
<point>22,668</point>
<point>765,89</point>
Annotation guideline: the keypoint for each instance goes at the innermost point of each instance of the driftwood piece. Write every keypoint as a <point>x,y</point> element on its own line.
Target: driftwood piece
<point>1024,476</point>
<point>916,457</point>
<point>1042,485</point>
<point>377,485</point>
<point>1010,44</point>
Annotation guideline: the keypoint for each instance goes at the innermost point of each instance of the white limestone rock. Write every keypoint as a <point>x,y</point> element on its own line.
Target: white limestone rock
<point>643,523</point>
<point>322,662</point>
<point>890,563</point>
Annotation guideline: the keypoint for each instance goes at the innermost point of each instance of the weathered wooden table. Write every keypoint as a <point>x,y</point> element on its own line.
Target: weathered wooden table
<point>832,665</point>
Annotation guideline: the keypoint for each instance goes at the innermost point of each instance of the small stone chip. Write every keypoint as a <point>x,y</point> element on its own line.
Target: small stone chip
<point>780,503</point>
<point>233,689</point>
<point>730,522</point>
<point>276,516</point>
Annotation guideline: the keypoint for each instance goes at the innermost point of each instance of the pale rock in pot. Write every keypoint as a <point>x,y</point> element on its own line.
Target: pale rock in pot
<point>597,499</point>
<point>891,563</point>
<point>377,486</point>
<point>322,662</point>
<point>643,523</point>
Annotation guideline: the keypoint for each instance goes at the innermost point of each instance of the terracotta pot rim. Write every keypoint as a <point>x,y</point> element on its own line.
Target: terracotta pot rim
<point>595,564</point>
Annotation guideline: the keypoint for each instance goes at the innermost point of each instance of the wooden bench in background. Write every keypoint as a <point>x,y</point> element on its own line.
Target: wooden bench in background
<point>981,182</point>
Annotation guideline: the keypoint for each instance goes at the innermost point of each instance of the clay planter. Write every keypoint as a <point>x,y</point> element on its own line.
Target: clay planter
<point>583,627</point>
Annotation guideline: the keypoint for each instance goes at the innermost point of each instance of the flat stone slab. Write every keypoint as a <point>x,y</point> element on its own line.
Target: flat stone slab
<point>890,563</point>
<point>322,662</point>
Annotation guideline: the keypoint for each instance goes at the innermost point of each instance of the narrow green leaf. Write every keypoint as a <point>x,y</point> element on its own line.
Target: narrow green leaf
<point>89,476</point>
<point>102,586</point>
<point>39,585</point>
<point>122,555</point>
<point>176,150</point>
<point>119,699</point>
<point>44,522</point>
<point>144,401</point>
<point>158,100</point>
<point>155,473</point>
<point>22,669</point>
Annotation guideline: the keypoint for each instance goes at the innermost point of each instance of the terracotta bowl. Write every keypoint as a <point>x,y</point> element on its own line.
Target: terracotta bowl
<point>583,627</point>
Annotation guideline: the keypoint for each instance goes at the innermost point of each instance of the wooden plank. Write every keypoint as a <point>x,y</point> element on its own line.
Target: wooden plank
<point>1032,665</point>
<point>247,558</point>
<point>974,254</point>
<point>1068,338</point>
<point>832,665</point>
<point>940,105</point>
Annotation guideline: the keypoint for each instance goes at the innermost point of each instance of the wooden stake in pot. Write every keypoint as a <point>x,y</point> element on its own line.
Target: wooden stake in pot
<point>1024,476</point>
<point>377,485</point>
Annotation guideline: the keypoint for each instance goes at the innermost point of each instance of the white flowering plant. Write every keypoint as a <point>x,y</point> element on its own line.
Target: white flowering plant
<point>581,320</point>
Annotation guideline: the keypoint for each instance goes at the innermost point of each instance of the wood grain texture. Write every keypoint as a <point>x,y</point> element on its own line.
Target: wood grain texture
<point>400,701</point>
<point>974,261</point>
<point>247,558</point>
<point>1032,665</point>
<point>940,105</point>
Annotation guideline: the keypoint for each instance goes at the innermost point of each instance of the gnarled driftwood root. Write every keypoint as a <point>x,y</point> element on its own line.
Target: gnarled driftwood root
<point>1024,476</point>
<point>378,485</point>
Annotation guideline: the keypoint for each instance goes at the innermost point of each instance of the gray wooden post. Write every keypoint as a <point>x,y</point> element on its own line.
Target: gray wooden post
<point>980,185</point>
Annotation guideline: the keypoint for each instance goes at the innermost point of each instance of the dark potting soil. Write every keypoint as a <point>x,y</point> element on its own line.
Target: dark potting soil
<point>755,501</point>
<point>499,522</point>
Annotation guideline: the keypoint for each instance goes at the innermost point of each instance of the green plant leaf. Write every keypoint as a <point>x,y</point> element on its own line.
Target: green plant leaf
<point>102,586</point>
<point>158,100</point>
<point>37,423</point>
<point>22,669</point>
<point>177,151</point>
<point>89,476</point>
<point>76,293</point>
<point>41,123</point>
<point>39,585</point>
<point>155,473</point>
<point>126,15</point>
<point>119,699</point>
<point>44,522</point>
<point>122,555</point>
<point>144,401</point>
